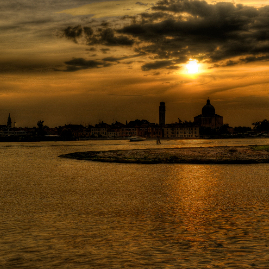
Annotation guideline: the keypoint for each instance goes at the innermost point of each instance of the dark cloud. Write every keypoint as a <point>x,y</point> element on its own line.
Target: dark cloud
<point>156,65</point>
<point>255,59</point>
<point>105,24</point>
<point>231,63</point>
<point>9,27</point>
<point>104,36</point>
<point>114,59</point>
<point>223,34</point>
<point>107,37</point>
<point>77,64</point>
<point>25,65</point>
<point>210,32</point>
<point>141,4</point>
<point>104,50</point>
<point>150,17</point>
<point>74,33</point>
<point>88,31</point>
<point>111,59</point>
<point>243,60</point>
<point>91,49</point>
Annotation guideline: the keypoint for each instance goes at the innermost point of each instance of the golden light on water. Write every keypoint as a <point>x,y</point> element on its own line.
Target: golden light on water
<point>192,67</point>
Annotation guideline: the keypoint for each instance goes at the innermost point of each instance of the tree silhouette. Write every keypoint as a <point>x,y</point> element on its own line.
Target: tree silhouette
<point>40,130</point>
<point>261,126</point>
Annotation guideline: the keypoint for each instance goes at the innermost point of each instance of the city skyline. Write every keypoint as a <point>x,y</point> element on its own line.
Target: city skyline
<point>207,118</point>
<point>91,61</point>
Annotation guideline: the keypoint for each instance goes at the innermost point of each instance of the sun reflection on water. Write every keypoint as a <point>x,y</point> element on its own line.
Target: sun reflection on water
<point>195,194</point>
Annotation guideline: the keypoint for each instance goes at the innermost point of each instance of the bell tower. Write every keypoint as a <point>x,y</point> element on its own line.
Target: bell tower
<point>9,121</point>
<point>162,114</point>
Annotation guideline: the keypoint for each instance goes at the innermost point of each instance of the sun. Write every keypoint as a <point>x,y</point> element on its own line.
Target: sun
<point>192,66</point>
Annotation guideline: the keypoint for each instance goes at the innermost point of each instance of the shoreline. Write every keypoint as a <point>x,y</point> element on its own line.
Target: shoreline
<point>192,155</point>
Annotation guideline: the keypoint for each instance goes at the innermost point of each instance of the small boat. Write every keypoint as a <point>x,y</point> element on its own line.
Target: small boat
<point>137,138</point>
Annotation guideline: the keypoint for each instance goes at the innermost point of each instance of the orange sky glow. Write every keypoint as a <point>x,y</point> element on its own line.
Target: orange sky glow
<point>83,62</point>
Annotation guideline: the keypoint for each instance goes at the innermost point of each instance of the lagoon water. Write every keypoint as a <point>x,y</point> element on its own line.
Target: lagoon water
<point>63,213</point>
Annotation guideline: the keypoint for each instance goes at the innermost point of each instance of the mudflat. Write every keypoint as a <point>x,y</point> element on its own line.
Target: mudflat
<point>194,155</point>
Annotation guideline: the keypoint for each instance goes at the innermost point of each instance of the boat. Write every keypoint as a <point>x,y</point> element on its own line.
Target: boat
<point>137,138</point>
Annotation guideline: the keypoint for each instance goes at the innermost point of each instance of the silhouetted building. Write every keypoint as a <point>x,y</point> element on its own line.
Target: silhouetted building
<point>208,118</point>
<point>162,114</point>
<point>9,121</point>
<point>181,130</point>
<point>100,130</point>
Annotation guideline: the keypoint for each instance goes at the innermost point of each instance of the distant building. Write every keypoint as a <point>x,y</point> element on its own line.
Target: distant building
<point>181,130</point>
<point>9,121</point>
<point>141,128</point>
<point>162,114</point>
<point>208,118</point>
<point>100,130</point>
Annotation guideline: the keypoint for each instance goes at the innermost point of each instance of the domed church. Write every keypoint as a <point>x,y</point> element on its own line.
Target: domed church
<point>208,118</point>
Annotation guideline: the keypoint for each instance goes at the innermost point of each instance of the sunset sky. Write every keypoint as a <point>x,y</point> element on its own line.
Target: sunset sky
<point>86,61</point>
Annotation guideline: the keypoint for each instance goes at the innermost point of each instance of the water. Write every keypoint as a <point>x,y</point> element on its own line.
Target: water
<point>62,213</point>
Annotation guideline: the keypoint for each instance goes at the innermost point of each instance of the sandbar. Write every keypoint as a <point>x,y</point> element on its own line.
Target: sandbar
<point>192,155</point>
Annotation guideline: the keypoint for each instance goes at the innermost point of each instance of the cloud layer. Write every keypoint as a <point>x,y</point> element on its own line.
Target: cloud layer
<point>174,31</point>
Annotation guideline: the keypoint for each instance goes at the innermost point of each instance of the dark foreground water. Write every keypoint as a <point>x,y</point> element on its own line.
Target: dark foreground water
<point>62,213</point>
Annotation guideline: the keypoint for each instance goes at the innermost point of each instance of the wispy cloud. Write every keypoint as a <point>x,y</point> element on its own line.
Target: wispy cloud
<point>110,8</point>
<point>77,64</point>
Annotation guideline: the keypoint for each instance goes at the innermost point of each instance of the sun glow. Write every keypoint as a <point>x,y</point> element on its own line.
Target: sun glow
<point>192,67</point>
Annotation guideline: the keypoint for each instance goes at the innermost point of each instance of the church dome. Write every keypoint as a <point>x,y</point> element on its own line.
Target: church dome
<point>208,109</point>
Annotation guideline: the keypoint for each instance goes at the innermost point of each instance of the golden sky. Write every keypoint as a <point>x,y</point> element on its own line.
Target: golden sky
<point>86,61</point>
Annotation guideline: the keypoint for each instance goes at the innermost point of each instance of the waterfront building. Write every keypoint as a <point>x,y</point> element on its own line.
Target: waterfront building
<point>181,130</point>
<point>113,132</point>
<point>154,131</point>
<point>14,132</point>
<point>100,130</point>
<point>208,118</point>
<point>72,131</point>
